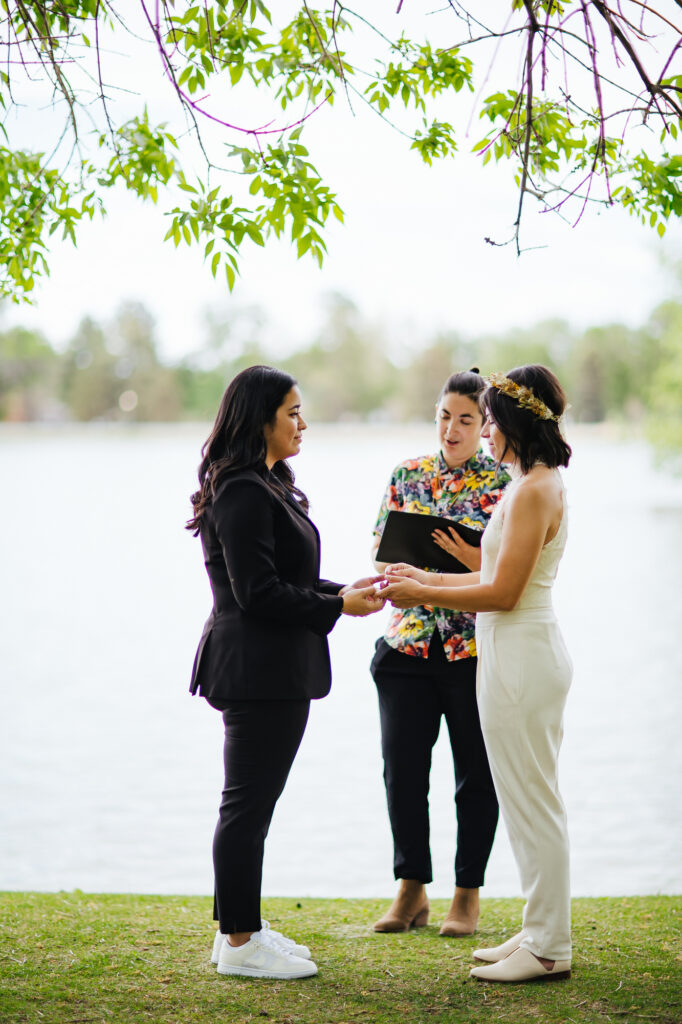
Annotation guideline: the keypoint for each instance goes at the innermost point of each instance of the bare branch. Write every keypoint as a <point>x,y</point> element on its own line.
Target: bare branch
<point>654,89</point>
<point>656,14</point>
<point>533,27</point>
<point>112,134</point>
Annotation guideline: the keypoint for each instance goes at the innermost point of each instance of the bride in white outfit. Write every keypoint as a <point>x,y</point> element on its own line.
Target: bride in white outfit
<point>524,670</point>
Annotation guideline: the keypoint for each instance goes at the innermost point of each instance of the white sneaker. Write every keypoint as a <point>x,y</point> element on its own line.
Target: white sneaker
<point>262,957</point>
<point>282,940</point>
<point>217,943</point>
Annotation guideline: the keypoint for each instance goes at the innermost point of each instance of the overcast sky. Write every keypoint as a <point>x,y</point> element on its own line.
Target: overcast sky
<point>412,253</point>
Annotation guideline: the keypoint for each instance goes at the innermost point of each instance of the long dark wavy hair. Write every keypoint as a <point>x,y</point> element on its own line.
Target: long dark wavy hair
<point>531,439</point>
<point>237,441</point>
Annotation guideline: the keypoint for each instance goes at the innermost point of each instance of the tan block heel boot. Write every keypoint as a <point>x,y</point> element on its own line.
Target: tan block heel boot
<point>462,917</point>
<point>410,908</point>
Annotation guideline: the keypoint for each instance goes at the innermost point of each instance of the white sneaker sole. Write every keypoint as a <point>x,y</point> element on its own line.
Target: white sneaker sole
<point>259,972</point>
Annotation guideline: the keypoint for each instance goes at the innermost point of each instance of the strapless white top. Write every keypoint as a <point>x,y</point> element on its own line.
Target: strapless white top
<point>538,592</point>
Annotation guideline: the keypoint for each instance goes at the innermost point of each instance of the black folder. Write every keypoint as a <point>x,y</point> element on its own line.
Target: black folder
<point>407,538</point>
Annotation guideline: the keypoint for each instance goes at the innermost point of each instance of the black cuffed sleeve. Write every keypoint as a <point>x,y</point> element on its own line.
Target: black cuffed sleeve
<point>327,587</point>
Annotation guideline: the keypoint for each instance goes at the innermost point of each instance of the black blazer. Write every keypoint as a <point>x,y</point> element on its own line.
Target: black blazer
<point>266,637</point>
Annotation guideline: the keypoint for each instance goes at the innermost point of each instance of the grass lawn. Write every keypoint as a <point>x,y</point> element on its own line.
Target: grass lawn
<point>73,958</point>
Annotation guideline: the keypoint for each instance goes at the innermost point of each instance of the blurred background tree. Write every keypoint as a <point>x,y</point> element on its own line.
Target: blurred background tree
<point>113,372</point>
<point>352,370</point>
<point>29,369</point>
<point>420,383</point>
<point>150,389</point>
<point>346,371</point>
<point>89,385</point>
<point>663,334</point>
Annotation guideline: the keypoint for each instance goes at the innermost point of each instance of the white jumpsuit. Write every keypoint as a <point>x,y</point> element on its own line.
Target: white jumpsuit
<point>524,672</point>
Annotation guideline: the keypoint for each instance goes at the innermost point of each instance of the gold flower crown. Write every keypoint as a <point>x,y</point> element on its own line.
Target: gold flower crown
<point>523,395</point>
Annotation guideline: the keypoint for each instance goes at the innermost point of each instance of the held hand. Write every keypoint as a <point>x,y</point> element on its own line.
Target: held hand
<point>404,591</point>
<point>451,542</point>
<point>362,601</point>
<point>410,571</point>
<point>362,584</point>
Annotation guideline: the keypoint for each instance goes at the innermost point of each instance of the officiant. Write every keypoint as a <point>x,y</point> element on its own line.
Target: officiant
<point>424,669</point>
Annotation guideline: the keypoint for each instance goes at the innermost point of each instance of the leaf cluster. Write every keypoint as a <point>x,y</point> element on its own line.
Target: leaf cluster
<point>36,203</point>
<point>259,180</point>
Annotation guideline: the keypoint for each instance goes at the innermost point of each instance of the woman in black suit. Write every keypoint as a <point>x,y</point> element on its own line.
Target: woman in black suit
<point>263,654</point>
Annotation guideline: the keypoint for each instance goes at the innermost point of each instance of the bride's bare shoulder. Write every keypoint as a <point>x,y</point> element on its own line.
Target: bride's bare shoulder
<point>540,485</point>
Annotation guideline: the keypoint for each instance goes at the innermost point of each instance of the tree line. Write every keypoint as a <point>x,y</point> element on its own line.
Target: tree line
<point>351,371</point>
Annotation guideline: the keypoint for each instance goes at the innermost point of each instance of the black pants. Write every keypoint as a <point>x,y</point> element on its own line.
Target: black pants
<point>414,694</point>
<point>261,741</point>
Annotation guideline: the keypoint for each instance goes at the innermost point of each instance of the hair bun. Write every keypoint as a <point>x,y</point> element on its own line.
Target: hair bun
<point>474,369</point>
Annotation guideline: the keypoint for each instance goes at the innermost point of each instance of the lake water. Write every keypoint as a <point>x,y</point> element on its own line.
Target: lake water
<point>111,772</point>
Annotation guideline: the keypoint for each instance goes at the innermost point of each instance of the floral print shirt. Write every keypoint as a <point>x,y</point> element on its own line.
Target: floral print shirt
<point>468,494</point>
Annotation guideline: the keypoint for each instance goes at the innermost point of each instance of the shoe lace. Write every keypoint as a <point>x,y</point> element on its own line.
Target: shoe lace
<point>270,942</point>
<point>277,936</point>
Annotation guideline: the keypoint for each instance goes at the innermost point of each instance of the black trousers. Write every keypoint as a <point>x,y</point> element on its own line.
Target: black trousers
<point>414,694</point>
<point>261,741</point>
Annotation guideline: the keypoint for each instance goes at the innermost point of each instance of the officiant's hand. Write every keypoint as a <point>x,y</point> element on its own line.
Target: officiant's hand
<point>451,542</point>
